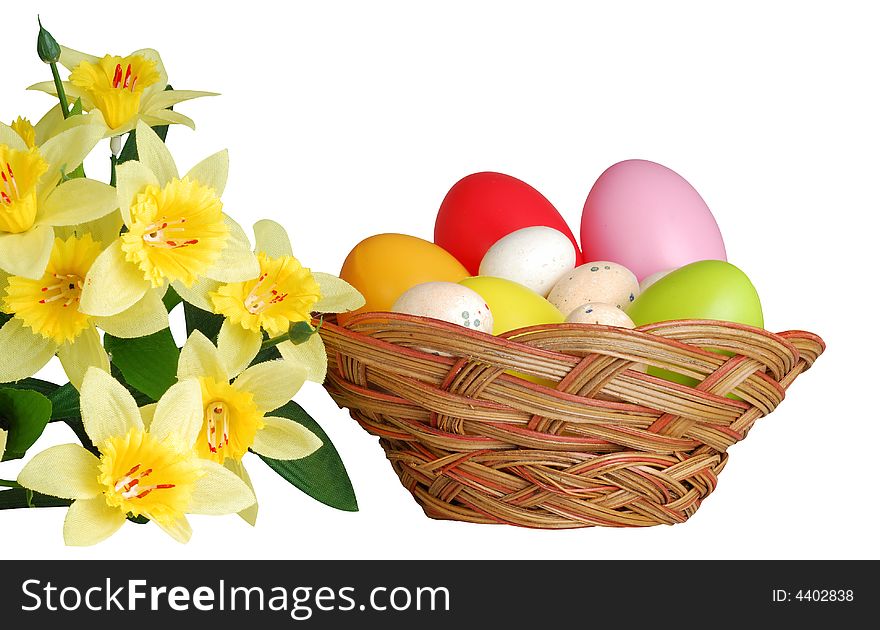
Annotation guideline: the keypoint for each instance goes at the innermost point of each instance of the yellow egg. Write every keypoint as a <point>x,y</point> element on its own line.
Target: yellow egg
<point>382,267</point>
<point>513,305</point>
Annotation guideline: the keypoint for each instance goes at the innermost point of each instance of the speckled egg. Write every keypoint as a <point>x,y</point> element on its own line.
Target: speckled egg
<point>649,280</point>
<point>600,281</point>
<point>446,301</point>
<point>598,313</point>
<point>535,257</point>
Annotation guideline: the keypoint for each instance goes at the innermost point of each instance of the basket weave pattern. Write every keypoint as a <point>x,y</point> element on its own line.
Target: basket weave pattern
<point>596,442</point>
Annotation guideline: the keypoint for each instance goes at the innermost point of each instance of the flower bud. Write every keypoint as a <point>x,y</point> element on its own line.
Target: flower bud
<point>47,47</point>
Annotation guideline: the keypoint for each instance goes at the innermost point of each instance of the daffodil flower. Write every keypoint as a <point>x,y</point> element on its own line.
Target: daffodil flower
<point>3,435</point>
<point>125,90</point>
<point>144,468</point>
<point>47,321</point>
<point>31,199</point>
<point>176,231</point>
<point>282,294</point>
<point>236,413</point>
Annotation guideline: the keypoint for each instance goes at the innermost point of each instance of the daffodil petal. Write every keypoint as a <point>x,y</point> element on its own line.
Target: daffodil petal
<point>89,521</point>
<point>71,58</point>
<point>337,296</point>
<point>107,408</point>
<point>272,383</point>
<point>237,346</point>
<point>3,435</point>
<point>112,284</point>
<point>48,125</point>
<point>237,262</point>
<point>70,90</point>
<point>162,83</point>
<point>24,352</point>
<point>179,413</point>
<point>197,294</point>
<point>285,439</point>
<point>78,201</point>
<point>145,317</point>
<point>67,150</point>
<point>179,529</point>
<point>168,117</point>
<point>219,491</point>
<point>212,171</point>
<point>132,177</point>
<point>199,357</point>
<point>147,414</point>
<point>249,514</point>
<point>104,230</point>
<point>26,254</point>
<point>82,353</point>
<point>67,471</point>
<point>311,354</point>
<point>153,154</point>
<point>170,98</point>
<point>271,238</point>
<point>10,138</point>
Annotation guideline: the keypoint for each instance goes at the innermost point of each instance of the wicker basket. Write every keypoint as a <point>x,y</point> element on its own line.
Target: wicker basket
<point>604,444</point>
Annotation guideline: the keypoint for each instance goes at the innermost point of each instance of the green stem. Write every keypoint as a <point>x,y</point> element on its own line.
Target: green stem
<point>113,162</point>
<point>59,87</point>
<point>5,483</point>
<point>274,341</point>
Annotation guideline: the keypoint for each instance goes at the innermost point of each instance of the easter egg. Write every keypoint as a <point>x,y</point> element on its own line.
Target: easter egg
<point>648,218</point>
<point>483,207</point>
<point>535,257</point>
<point>598,313</point>
<point>382,267</point>
<point>600,281</point>
<point>513,305</point>
<point>707,289</point>
<point>649,280</point>
<point>446,301</point>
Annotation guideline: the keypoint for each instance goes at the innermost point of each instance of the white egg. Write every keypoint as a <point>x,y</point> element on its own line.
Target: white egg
<point>601,281</point>
<point>598,313</point>
<point>535,257</point>
<point>649,280</point>
<point>446,301</point>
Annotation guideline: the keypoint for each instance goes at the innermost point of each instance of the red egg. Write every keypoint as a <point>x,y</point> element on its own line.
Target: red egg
<point>484,207</point>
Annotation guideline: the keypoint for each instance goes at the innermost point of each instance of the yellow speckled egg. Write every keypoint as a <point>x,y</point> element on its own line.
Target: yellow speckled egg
<point>513,305</point>
<point>598,313</point>
<point>600,281</point>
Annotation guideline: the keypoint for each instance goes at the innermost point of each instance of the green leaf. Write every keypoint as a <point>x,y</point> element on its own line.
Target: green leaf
<point>149,364</point>
<point>65,402</point>
<point>206,323</point>
<point>171,299</point>
<point>23,498</point>
<point>36,384</point>
<point>322,474</point>
<point>24,413</point>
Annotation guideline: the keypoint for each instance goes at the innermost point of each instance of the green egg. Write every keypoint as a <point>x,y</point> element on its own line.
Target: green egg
<point>707,289</point>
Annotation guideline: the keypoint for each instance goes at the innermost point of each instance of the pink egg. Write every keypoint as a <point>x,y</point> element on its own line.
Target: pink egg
<point>648,218</point>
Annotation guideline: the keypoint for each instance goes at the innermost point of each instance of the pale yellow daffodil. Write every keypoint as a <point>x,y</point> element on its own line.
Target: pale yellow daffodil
<point>282,294</point>
<point>47,321</point>
<point>150,470</point>
<point>236,413</point>
<point>176,231</point>
<point>31,199</point>
<point>3,435</point>
<point>125,90</point>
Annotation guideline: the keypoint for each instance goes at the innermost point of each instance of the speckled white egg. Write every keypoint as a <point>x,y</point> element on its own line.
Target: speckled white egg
<point>446,301</point>
<point>535,257</point>
<point>649,280</point>
<point>598,313</point>
<point>600,281</point>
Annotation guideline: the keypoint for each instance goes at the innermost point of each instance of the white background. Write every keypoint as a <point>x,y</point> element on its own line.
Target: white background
<point>347,119</point>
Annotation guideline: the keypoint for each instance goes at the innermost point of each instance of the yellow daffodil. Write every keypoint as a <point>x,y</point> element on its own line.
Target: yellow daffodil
<point>47,321</point>
<point>143,469</point>
<point>176,231</point>
<point>26,131</point>
<point>282,294</point>
<point>31,199</point>
<point>125,90</point>
<point>235,413</point>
